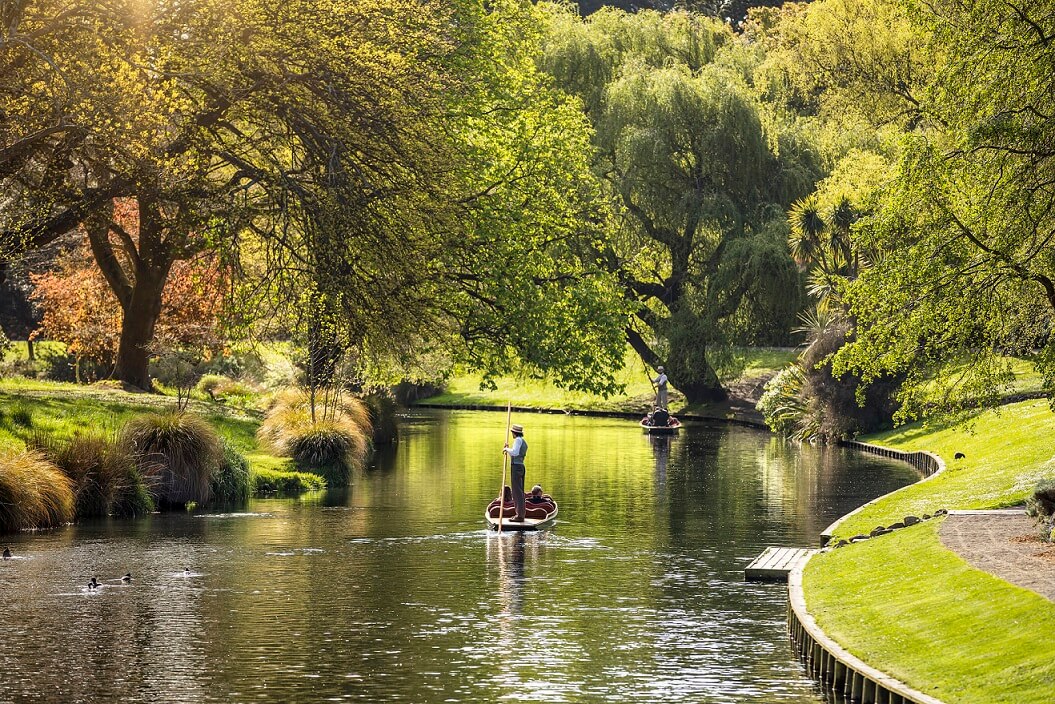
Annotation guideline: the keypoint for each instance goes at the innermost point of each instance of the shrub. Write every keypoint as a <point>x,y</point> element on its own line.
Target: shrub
<point>333,442</point>
<point>34,493</point>
<point>104,475</point>
<point>230,481</point>
<point>177,452</point>
<point>211,383</point>
<point>383,419</point>
<point>271,481</point>
<point>1041,505</point>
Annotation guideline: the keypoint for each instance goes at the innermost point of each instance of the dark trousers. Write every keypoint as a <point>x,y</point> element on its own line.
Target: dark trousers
<point>518,489</point>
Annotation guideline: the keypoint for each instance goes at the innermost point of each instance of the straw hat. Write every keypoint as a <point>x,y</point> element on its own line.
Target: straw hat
<point>659,369</point>
<point>517,428</point>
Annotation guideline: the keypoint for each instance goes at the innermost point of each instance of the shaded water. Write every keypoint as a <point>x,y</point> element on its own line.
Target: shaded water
<point>394,592</point>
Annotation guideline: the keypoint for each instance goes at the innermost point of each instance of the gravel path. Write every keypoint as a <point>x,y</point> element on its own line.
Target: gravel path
<point>1004,545</point>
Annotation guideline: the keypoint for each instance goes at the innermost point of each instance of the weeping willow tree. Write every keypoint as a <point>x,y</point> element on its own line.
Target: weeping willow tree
<point>699,239</point>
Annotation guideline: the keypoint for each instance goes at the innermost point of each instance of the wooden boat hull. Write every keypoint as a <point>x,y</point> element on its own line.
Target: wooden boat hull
<point>661,429</point>
<point>526,524</point>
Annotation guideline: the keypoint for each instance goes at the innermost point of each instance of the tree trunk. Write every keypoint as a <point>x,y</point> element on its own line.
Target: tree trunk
<point>137,329</point>
<point>688,370</point>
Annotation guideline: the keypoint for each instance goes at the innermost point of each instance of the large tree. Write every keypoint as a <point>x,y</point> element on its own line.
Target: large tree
<point>697,187</point>
<point>967,276</point>
<point>335,146</point>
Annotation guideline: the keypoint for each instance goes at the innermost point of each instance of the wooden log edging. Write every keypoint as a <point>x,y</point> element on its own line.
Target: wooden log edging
<point>926,463</point>
<point>832,666</point>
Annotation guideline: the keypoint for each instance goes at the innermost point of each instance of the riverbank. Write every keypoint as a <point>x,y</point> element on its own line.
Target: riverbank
<point>758,366</point>
<point>908,606</point>
<point>64,409</point>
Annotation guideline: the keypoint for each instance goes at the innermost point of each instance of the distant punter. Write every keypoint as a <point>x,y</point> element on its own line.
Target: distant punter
<point>661,388</point>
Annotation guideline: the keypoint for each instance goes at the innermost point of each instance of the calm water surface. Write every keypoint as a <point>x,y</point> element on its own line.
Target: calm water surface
<point>393,591</point>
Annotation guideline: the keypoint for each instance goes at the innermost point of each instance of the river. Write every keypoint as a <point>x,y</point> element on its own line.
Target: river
<point>393,590</point>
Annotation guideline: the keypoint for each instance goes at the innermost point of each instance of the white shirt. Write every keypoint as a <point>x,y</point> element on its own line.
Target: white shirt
<point>518,451</point>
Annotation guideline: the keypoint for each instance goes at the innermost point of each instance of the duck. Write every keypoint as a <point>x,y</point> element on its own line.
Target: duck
<point>7,554</point>
<point>93,584</point>
<point>186,571</point>
<point>127,578</point>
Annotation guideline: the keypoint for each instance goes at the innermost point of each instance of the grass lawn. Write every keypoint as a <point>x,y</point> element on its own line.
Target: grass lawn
<point>67,408</point>
<point>905,604</point>
<point>916,611</point>
<point>1007,451</point>
<point>464,390</point>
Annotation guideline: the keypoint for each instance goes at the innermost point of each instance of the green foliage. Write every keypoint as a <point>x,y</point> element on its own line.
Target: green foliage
<point>384,418</point>
<point>34,493</point>
<point>231,479</point>
<point>961,267</point>
<point>853,60</point>
<point>782,404</point>
<point>694,180</point>
<point>271,481</point>
<point>178,454</point>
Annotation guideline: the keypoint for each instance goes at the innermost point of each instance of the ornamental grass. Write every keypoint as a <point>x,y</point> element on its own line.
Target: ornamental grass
<point>231,480</point>
<point>34,493</point>
<point>177,452</point>
<point>331,443</point>
<point>104,475</point>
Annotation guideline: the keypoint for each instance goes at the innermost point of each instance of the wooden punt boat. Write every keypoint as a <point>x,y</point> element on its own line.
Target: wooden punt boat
<point>673,425</point>
<point>541,519</point>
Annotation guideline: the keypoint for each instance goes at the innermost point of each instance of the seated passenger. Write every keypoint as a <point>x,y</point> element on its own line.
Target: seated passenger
<point>660,417</point>
<point>536,496</point>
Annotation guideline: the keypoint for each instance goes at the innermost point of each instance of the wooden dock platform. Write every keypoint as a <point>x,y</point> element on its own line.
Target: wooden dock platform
<point>775,564</point>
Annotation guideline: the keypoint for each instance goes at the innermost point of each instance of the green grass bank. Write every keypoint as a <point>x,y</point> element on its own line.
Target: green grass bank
<point>65,409</point>
<point>754,366</point>
<point>906,605</point>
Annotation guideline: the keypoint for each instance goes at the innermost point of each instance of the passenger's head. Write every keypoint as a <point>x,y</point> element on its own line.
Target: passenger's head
<point>507,494</point>
<point>536,490</point>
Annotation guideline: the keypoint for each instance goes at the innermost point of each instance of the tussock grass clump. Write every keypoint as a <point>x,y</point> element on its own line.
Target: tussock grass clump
<point>34,493</point>
<point>177,452</point>
<point>338,437</point>
<point>105,477</point>
<point>230,481</point>
<point>270,481</point>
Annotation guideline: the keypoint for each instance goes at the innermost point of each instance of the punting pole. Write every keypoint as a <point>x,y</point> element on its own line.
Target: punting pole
<point>505,463</point>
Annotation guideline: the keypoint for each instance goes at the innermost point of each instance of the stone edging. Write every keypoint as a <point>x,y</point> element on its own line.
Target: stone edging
<point>829,663</point>
<point>928,463</point>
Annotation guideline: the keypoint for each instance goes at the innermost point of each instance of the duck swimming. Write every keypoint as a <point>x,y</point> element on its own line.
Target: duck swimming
<point>7,554</point>
<point>93,584</point>
<point>127,578</point>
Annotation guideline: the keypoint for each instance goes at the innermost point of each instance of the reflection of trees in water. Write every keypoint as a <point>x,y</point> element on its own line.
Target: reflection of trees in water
<point>723,485</point>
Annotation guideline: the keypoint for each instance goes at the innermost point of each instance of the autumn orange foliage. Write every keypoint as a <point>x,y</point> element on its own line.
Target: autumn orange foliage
<point>80,309</point>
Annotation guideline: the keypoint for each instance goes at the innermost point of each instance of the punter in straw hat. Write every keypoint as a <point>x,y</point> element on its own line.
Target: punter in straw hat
<point>661,388</point>
<point>516,458</point>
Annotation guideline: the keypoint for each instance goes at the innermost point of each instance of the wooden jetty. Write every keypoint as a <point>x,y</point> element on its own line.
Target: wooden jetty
<point>775,564</point>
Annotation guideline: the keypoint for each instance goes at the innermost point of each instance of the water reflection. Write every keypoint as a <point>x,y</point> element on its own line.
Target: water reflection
<point>393,590</point>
